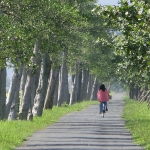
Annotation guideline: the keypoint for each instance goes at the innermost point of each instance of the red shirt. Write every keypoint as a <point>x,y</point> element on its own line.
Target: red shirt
<point>102,96</point>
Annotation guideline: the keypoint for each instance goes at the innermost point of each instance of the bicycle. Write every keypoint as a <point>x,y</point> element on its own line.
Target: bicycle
<point>104,108</point>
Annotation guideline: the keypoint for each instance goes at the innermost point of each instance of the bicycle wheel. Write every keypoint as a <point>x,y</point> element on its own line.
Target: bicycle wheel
<point>103,112</point>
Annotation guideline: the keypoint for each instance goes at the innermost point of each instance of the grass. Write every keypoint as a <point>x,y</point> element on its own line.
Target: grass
<point>13,133</point>
<point>137,117</point>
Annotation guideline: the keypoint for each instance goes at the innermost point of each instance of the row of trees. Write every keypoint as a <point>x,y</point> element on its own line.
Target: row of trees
<point>45,42</point>
<point>131,43</point>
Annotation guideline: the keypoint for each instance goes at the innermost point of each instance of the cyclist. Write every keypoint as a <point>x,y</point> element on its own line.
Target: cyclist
<point>102,97</point>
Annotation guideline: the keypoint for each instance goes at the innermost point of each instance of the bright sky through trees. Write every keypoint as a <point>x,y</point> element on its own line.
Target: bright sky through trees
<point>108,2</point>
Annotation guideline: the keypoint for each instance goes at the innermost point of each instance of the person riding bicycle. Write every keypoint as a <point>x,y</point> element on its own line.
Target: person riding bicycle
<point>102,97</point>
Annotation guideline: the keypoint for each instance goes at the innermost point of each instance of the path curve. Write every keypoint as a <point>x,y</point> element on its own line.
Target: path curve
<point>85,130</point>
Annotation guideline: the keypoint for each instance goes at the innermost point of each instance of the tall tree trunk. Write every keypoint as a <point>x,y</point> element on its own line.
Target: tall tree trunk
<point>89,87</point>
<point>34,88</point>
<point>66,85</point>
<point>12,99</point>
<point>15,106</point>
<point>94,89</point>
<point>26,102</point>
<point>2,92</point>
<point>56,92</point>
<point>51,88</point>
<point>41,90</point>
<point>79,83</point>
<point>85,76</point>
<point>136,93</point>
<point>63,91</point>
<point>22,84</point>
<point>97,88</point>
<point>73,96</point>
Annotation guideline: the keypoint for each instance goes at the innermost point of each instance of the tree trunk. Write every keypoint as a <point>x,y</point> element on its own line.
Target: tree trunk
<point>56,92</point>
<point>89,87</point>
<point>79,83</point>
<point>63,92</point>
<point>42,86</point>
<point>94,89</point>
<point>26,102</point>
<point>22,84</point>
<point>66,85</point>
<point>85,76</point>
<point>34,88</point>
<point>51,88</point>
<point>73,96</point>
<point>2,92</point>
<point>136,92</point>
<point>13,95</point>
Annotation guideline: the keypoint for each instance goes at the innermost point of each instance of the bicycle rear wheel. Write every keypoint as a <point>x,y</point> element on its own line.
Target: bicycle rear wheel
<point>103,113</point>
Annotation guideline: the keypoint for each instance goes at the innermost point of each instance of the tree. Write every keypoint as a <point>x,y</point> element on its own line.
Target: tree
<point>69,34</point>
<point>131,41</point>
<point>13,95</point>
<point>2,92</point>
<point>42,86</point>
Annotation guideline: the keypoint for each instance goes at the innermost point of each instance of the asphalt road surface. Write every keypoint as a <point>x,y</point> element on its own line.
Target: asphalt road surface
<point>85,130</point>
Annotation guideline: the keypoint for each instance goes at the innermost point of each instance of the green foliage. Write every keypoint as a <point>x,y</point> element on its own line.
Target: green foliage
<point>23,22</point>
<point>130,38</point>
<point>10,137</point>
<point>137,116</point>
<point>61,25</point>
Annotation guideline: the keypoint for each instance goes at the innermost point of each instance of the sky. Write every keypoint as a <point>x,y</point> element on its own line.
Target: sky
<point>108,2</point>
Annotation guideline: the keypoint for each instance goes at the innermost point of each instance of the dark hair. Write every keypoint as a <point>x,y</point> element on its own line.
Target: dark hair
<point>102,87</point>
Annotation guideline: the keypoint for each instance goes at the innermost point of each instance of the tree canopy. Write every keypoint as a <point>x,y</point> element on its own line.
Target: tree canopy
<point>113,36</point>
<point>65,23</point>
<point>130,38</point>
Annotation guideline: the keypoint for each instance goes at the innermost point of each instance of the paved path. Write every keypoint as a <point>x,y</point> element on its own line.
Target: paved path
<point>85,130</point>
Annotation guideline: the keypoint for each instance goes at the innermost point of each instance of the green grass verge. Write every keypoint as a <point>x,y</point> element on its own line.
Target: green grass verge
<point>13,133</point>
<point>137,117</point>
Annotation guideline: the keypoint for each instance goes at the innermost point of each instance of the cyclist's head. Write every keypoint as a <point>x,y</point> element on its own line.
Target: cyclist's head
<point>102,87</point>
